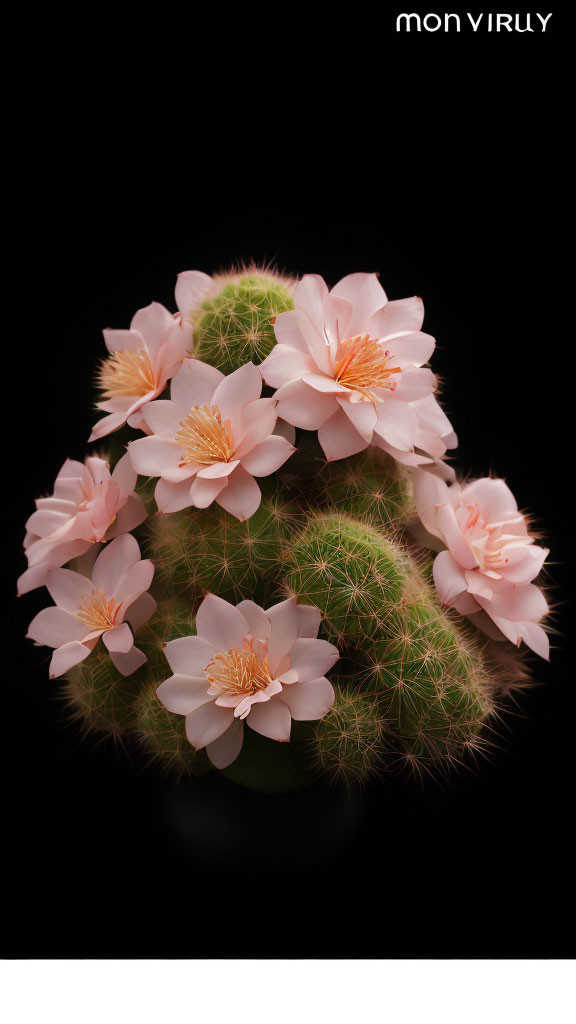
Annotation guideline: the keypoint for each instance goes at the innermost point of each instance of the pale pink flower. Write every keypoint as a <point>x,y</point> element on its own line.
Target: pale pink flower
<point>89,505</point>
<point>87,608</point>
<point>491,559</point>
<point>247,664</point>
<point>192,287</point>
<point>210,440</point>
<point>141,361</point>
<point>348,363</point>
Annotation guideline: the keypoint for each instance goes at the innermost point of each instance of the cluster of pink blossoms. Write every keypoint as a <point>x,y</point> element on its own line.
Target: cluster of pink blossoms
<point>349,364</point>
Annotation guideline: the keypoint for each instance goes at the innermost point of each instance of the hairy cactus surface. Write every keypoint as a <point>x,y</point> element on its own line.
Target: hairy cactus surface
<point>235,326</point>
<point>416,684</point>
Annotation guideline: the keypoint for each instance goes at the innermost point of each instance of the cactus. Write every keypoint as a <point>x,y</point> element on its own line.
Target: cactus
<point>235,326</point>
<point>162,737</point>
<point>431,684</point>
<point>348,570</point>
<point>200,550</point>
<point>412,687</point>
<point>100,697</point>
<point>347,744</point>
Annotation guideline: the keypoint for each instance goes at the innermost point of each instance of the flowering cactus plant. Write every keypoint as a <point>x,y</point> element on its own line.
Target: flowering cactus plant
<point>275,473</point>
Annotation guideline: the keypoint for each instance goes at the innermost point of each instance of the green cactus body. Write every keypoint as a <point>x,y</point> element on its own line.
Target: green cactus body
<point>235,326</point>
<point>172,618</point>
<point>429,683</point>
<point>344,568</point>
<point>162,736</point>
<point>200,550</point>
<point>100,696</point>
<point>347,744</point>
<point>370,486</point>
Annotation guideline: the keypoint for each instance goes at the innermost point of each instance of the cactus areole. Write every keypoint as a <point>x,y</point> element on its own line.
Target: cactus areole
<point>269,568</point>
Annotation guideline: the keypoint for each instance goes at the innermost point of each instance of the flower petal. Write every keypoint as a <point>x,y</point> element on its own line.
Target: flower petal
<point>311,658</point>
<point>128,663</point>
<point>134,582</point>
<point>220,623</point>
<point>309,619</point>
<point>192,287</point>
<point>151,455</point>
<point>204,491</point>
<point>449,578</point>
<point>189,655</point>
<point>128,518</point>
<point>141,610</point>
<point>258,622</point>
<point>155,324</point>
<point>285,624</point>
<point>207,723</point>
<point>67,656</point>
<point>366,295</point>
<point>172,497</point>
<point>182,694</point>
<point>235,391</point>
<point>339,438</point>
<point>67,588</point>
<point>55,627</point>
<point>399,317</point>
<point>163,417</point>
<point>226,748</point>
<point>396,423</point>
<point>258,422</point>
<point>194,384</point>
<point>303,406</point>
<point>117,557</point>
<point>267,456</point>
<point>310,700</point>
<point>455,540</point>
<point>271,719</point>
<point>362,415</point>
<point>242,496</point>
<point>118,639</point>
<point>285,364</point>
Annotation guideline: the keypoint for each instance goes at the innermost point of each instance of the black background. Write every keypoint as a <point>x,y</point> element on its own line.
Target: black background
<point>142,143</point>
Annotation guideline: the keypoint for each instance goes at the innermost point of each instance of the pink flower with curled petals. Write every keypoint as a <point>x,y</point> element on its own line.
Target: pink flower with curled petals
<point>210,440</point>
<point>89,505</point>
<point>141,362</point>
<point>487,570</point>
<point>100,606</point>
<point>246,664</point>
<point>349,364</point>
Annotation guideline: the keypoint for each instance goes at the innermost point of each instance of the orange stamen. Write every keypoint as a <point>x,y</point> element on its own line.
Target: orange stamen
<point>204,437</point>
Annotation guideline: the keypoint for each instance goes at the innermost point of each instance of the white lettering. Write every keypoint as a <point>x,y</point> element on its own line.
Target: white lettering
<point>429,27</point>
<point>447,21</point>
<point>408,18</point>
<point>475,24</point>
<point>544,20</point>
<point>517,24</point>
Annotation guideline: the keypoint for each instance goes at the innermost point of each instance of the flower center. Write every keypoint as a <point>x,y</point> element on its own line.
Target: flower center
<point>485,541</point>
<point>204,437</point>
<point>126,373</point>
<point>239,671</point>
<point>96,611</point>
<point>362,364</point>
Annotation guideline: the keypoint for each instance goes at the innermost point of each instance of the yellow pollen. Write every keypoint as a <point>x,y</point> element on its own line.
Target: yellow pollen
<point>204,437</point>
<point>363,364</point>
<point>126,373</point>
<point>238,672</point>
<point>96,612</point>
